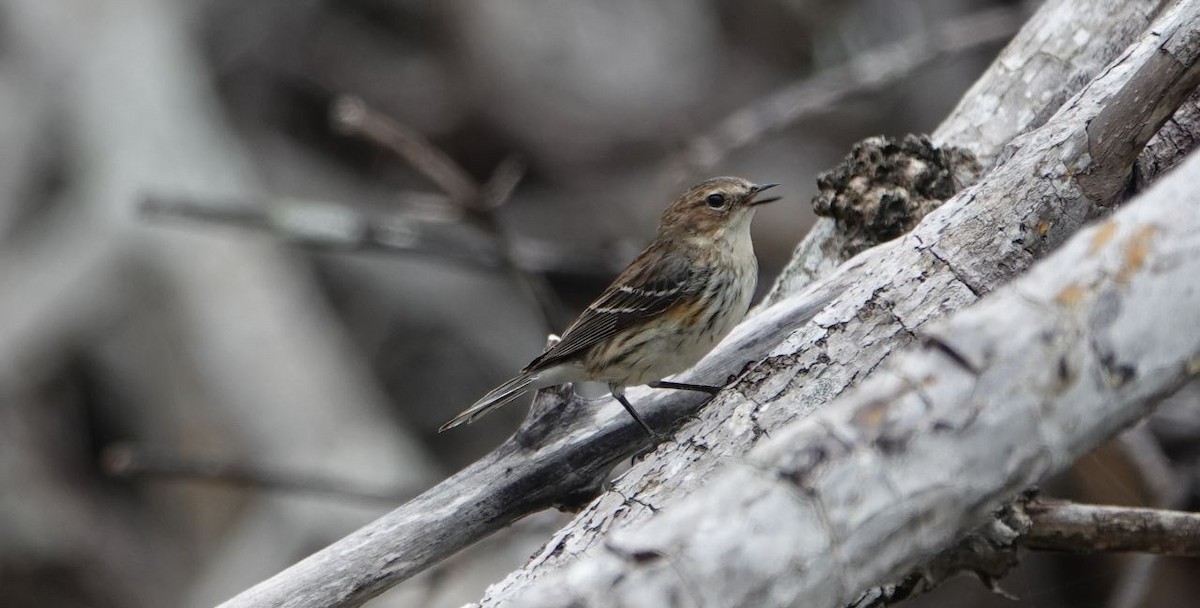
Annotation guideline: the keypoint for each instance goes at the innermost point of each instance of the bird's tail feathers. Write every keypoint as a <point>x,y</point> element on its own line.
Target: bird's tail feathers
<point>501,395</point>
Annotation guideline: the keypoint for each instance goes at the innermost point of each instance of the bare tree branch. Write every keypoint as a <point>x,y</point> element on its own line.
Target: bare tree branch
<point>976,242</point>
<point>990,554</point>
<point>983,237</point>
<point>1076,528</point>
<point>1171,144</point>
<point>561,458</point>
<point>995,398</point>
<point>987,552</point>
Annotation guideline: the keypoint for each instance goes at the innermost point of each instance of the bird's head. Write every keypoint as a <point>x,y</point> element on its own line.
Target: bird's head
<point>713,207</point>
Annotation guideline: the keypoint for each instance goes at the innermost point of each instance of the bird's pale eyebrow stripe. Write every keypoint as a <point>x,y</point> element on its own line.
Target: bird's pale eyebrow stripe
<point>650,294</point>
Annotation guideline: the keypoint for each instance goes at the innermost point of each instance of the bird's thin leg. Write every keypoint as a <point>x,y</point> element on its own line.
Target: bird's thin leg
<point>683,386</point>
<point>618,392</point>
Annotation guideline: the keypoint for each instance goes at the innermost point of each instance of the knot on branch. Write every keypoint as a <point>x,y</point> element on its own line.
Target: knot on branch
<point>884,187</point>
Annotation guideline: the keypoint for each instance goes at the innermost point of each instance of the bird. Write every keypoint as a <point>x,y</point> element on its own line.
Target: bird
<point>673,303</point>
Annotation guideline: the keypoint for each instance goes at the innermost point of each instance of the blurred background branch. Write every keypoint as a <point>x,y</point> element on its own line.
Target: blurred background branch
<point>425,229</point>
<point>130,462</point>
<point>869,72</point>
<point>351,116</point>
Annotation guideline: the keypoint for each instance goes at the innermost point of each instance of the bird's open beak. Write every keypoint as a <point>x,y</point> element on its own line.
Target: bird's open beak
<point>761,201</point>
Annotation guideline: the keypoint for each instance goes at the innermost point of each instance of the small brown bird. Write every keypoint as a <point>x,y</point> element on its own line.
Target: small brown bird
<point>665,311</point>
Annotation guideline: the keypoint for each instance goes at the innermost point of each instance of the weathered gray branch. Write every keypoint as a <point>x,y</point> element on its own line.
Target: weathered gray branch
<point>980,239</point>
<point>976,242</point>
<point>995,398</point>
<point>988,552</point>
<point>561,458</point>
<point>1076,528</point>
<point>1171,144</point>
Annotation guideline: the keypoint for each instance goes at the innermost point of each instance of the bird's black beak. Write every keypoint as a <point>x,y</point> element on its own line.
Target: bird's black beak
<point>755,190</point>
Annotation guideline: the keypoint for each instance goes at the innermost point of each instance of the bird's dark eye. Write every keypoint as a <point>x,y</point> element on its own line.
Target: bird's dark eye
<point>716,200</point>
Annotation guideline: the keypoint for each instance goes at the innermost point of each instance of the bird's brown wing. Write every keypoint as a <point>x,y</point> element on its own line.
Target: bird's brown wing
<point>649,286</point>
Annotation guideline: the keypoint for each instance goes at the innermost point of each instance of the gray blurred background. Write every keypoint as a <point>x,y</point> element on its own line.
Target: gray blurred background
<point>188,406</point>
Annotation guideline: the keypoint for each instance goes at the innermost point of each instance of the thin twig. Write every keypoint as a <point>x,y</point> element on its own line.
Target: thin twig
<point>1076,528</point>
<point>502,183</point>
<point>130,462</point>
<point>351,116</point>
<point>323,225</point>
<point>495,193</point>
<point>865,73</point>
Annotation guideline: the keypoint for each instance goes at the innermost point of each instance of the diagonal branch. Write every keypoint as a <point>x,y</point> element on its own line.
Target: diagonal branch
<point>978,240</point>
<point>561,458</point>
<point>974,243</point>
<point>997,397</point>
<point>351,116</point>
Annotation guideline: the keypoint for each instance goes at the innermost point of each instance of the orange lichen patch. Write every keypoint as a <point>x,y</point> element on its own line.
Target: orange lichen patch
<point>1137,249</point>
<point>1104,234</point>
<point>1070,295</point>
<point>1043,227</point>
<point>871,415</point>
